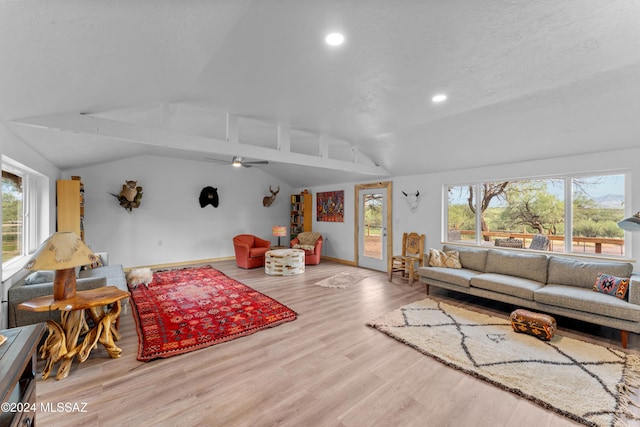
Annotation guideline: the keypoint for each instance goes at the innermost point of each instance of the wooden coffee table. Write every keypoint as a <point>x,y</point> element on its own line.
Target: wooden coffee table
<point>62,342</point>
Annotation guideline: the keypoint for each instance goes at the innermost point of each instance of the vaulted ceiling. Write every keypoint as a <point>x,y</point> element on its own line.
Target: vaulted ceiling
<point>84,82</point>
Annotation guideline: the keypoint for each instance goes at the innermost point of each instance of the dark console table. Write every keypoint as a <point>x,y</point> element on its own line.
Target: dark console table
<point>18,375</point>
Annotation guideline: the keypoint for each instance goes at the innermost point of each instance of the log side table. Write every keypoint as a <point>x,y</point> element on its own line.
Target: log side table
<point>62,342</point>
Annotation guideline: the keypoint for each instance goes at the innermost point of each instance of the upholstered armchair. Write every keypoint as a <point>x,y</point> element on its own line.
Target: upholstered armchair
<point>250,250</point>
<point>311,243</point>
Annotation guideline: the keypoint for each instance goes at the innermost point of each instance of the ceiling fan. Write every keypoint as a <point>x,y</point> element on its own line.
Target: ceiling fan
<point>237,161</point>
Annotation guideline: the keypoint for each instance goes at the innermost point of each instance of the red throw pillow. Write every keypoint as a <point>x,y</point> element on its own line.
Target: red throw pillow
<point>612,285</point>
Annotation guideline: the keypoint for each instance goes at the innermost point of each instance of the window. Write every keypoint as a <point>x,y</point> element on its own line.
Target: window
<point>577,214</point>
<point>12,213</point>
<point>23,195</point>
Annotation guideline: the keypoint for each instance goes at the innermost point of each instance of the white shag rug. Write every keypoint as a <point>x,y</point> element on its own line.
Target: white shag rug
<point>588,383</point>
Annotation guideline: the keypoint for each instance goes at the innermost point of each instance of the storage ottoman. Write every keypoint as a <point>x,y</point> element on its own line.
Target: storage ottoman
<point>284,262</point>
<point>539,325</point>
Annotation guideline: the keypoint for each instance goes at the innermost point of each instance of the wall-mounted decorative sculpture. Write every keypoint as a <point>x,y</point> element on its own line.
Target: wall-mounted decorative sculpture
<point>412,199</point>
<point>130,195</point>
<point>268,200</point>
<point>209,196</point>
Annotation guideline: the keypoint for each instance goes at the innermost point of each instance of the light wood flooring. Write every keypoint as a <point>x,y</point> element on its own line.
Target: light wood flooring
<point>324,369</point>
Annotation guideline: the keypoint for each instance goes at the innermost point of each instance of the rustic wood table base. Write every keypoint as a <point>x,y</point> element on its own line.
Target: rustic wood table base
<point>63,342</point>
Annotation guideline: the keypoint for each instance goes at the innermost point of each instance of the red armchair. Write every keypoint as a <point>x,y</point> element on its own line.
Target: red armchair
<point>250,250</point>
<point>311,243</point>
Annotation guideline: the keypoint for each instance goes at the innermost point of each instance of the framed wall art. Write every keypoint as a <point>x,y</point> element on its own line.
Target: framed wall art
<point>330,206</point>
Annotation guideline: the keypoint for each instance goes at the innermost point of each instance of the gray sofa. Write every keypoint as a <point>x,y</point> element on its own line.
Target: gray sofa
<point>544,283</point>
<point>107,275</point>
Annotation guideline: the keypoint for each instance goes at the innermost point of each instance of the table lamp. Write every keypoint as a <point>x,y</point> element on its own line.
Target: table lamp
<point>62,252</point>
<point>631,224</point>
<point>279,231</point>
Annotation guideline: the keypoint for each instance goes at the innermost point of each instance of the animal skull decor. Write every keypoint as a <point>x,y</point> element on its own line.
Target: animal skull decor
<point>412,199</point>
<point>130,195</point>
<point>209,196</point>
<point>268,200</point>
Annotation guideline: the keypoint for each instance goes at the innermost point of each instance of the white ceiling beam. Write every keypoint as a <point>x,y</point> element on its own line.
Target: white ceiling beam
<point>162,138</point>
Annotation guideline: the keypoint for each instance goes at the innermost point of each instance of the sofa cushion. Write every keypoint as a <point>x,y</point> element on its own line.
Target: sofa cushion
<point>451,275</point>
<point>525,265</point>
<point>42,276</point>
<point>114,275</point>
<point>471,258</point>
<point>563,271</point>
<point>510,285</point>
<point>612,285</point>
<point>585,300</point>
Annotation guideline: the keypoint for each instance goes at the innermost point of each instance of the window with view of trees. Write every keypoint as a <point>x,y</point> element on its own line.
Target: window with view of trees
<point>12,241</point>
<point>511,214</point>
<point>25,213</point>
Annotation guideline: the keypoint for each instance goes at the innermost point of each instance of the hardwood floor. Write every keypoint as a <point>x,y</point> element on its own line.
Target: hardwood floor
<point>324,369</point>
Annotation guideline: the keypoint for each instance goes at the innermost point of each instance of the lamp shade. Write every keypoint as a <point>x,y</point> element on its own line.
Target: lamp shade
<point>631,224</point>
<point>279,231</point>
<point>60,251</point>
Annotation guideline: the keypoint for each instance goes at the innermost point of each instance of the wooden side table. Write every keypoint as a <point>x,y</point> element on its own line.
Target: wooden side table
<point>62,342</point>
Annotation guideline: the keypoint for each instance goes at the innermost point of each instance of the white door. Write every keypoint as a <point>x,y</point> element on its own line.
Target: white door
<point>372,228</point>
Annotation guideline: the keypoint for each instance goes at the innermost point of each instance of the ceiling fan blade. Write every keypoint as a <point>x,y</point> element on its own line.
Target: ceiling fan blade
<point>210,159</point>
<point>243,163</point>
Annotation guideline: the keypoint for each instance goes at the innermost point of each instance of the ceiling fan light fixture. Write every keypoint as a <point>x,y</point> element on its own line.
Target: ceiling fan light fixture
<point>334,39</point>
<point>237,162</point>
<point>441,97</point>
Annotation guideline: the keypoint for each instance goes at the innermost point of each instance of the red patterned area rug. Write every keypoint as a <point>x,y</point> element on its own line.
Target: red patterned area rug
<point>192,308</point>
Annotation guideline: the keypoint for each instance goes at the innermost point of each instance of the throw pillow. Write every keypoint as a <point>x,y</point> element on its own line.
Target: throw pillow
<point>612,285</point>
<point>308,238</point>
<point>95,264</point>
<point>447,259</point>
<point>43,276</point>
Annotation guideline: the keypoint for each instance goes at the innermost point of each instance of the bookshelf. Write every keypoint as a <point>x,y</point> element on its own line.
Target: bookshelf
<point>301,213</point>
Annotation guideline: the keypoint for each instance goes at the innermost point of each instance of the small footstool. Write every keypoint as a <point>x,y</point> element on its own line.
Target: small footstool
<point>539,325</point>
<point>284,262</point>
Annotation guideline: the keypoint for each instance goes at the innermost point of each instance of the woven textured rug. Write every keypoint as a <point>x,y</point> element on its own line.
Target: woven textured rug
<point>588,383</point>
<point>188,309</point>
<point>342,280</point>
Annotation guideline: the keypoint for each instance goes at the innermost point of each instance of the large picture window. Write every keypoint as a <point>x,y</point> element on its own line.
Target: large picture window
<point>576,214</point>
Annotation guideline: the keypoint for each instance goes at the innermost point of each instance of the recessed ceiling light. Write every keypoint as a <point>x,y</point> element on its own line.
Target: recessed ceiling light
<point>439,98</point>
<point>334,39</point>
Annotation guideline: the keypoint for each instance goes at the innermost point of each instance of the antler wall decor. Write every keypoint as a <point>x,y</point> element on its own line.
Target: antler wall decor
<point>412,199</point>
<point>268,200</point>
<point>130,195</point>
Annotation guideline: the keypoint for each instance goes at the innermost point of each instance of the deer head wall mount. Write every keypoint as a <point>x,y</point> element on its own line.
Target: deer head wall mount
<point>268,200</point>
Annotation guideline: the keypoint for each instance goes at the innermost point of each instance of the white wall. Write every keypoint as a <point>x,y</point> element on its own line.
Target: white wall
<point>428,217</point>
<point>170,226</point>
<point>337,236</point>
